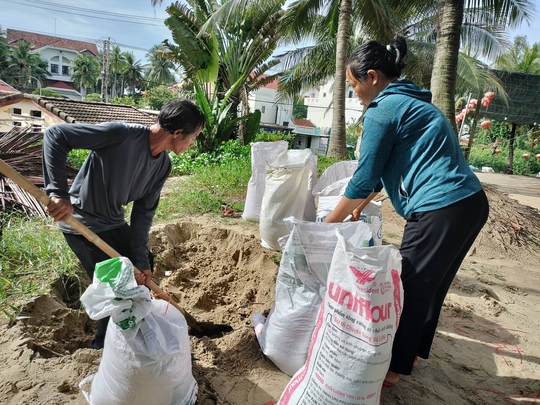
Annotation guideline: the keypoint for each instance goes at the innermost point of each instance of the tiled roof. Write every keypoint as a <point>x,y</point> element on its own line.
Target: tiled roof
<point>8,95</point>
<point>61,85</point>
<point>39,41</point>
<point>88,112</point>
<point>306,123</point>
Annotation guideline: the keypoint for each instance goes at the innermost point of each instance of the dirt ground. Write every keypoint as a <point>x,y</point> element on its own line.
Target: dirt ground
<point>486,351</point>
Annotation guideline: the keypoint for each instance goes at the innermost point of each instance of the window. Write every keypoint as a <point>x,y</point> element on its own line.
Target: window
<point>65,70</point>
<point>324,94</point>
<point>54,68</point>
<point>263,108</point>
<point>350,94</point>
<point>36,128</point>
<point>17,124</point>
<point>17,111</point>
<point>285,123</point>
<point>35,113</point>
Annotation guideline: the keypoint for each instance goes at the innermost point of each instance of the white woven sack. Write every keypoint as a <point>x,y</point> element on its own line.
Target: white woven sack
<point>351,345</point>
<point>262,154</point>
<point>285,334</point>
<point>152,366</point>
<point>146,356</point>
<point>285,195</point>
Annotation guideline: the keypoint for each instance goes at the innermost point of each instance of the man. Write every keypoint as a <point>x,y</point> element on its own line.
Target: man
<point>127,163</point>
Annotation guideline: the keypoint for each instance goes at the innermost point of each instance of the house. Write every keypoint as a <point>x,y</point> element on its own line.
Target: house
<point>273,113</point>
<point>20,110</point>
<point>309,136</point>
<point>320,111</point>
<point>59,53</point>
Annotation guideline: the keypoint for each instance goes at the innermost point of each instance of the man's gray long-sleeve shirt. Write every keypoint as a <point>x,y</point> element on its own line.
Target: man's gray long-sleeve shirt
<point>120,169</point>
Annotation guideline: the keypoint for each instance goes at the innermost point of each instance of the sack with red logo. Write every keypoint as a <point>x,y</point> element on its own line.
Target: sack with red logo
<point>351,345</point>
<point>285,334</point>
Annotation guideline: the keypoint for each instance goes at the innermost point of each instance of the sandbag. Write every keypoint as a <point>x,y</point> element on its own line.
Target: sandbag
<point>262,154</point>
<point>146,356</point>
<point>351,346</point>
<point>285,334</point>
<point>331,187</point>
<point>287,193</point>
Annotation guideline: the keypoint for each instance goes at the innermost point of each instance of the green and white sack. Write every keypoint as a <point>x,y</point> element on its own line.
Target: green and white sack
<point>147,356</point>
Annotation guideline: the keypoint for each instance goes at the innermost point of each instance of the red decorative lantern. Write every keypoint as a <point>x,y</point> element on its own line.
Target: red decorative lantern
<point>497,151</point>
<point>538,157</point>
<point>525,156</point>
<point>485,124</point>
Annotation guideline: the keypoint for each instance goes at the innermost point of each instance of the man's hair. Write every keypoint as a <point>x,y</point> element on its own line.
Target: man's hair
<point>181,114</point>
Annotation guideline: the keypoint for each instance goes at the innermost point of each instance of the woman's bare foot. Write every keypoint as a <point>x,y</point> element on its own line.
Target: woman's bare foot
<point>391,378</point>
<point>416,361</point>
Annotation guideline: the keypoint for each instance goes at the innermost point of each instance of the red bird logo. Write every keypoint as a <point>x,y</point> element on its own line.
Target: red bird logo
<point>363,277</point>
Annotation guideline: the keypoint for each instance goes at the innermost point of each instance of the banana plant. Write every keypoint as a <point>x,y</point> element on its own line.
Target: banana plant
<point>220,124</point>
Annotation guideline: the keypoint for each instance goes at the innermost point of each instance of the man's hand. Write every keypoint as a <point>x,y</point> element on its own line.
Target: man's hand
<point>60,209</point>
<point>144,278</point>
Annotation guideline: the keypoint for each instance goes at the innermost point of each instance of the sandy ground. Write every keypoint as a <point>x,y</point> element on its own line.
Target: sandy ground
<point>486,351</point>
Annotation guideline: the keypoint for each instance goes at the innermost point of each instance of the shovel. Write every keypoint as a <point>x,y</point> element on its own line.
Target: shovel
<point>198,328</point>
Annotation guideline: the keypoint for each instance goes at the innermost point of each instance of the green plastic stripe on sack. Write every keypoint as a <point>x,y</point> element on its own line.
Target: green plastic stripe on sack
<point>128,323</point>
<point>108,270</point>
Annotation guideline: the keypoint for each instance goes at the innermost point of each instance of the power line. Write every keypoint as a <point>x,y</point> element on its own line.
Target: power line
<point>76,38</point>
<point>61,10</point>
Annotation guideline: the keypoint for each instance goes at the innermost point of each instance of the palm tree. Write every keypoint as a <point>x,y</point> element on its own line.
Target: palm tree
<point>23,65</point>
<point>117,62</point>
<point>86,72</point>
<point>521,58</point>
<point>502,13</point>
<point>132,73</point>
<point>160,70</point>
<point>225,50</point>
<point>4,52</point>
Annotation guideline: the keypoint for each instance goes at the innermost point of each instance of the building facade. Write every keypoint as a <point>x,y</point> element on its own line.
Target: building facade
<point>59,53</point>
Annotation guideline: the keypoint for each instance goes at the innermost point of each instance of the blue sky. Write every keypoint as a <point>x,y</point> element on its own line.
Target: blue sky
<point>67,18</point>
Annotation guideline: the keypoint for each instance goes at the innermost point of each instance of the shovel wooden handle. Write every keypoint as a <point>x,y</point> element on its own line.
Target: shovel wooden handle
<point>44,199</point>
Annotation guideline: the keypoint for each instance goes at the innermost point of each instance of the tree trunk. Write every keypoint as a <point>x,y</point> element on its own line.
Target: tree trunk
<point>338,143</point>
<point>443,78</point>
<point>510,163</point>
<point>472,131</point>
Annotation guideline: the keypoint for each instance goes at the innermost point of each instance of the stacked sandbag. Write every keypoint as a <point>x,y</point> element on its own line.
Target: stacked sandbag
<point>146,356</point>
<point>285,334</point>
<point>290,180</point>
<point>351,345</point>
<point>330,188</point>
<point>262,154</point>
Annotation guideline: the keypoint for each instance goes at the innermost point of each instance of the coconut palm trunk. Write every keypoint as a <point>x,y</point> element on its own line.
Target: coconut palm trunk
<point>338,144</point>
<point>443,79</point>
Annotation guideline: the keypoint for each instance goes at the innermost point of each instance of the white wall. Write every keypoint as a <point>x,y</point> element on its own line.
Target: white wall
<point>61,57</point>
<point>318,107</point>
<point>264,99</point>
<point>7,118</point>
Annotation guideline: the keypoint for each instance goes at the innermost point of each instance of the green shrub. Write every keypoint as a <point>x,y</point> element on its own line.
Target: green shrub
<point>271,136</point>
<point>76,157</point>
<point>227,153</point>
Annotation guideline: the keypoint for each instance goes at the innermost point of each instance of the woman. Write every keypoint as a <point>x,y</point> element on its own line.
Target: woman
<point>409,147</point>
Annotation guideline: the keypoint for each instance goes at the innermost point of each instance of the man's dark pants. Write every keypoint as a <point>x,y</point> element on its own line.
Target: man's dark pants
<point>89,255</point>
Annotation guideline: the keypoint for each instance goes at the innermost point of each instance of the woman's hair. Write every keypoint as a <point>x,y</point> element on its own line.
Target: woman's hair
<point>181,114</point>
<point>374,55</point>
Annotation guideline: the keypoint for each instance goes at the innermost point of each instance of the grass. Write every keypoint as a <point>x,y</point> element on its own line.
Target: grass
<point>33,255</point>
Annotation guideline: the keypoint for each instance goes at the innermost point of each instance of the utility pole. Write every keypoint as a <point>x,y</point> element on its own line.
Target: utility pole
<point>105,72</point>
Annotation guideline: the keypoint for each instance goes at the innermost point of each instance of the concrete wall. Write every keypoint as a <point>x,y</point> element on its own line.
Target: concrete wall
<point>8,119</point>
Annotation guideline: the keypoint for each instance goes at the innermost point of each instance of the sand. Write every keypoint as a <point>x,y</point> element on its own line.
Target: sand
<point>486,350</point>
